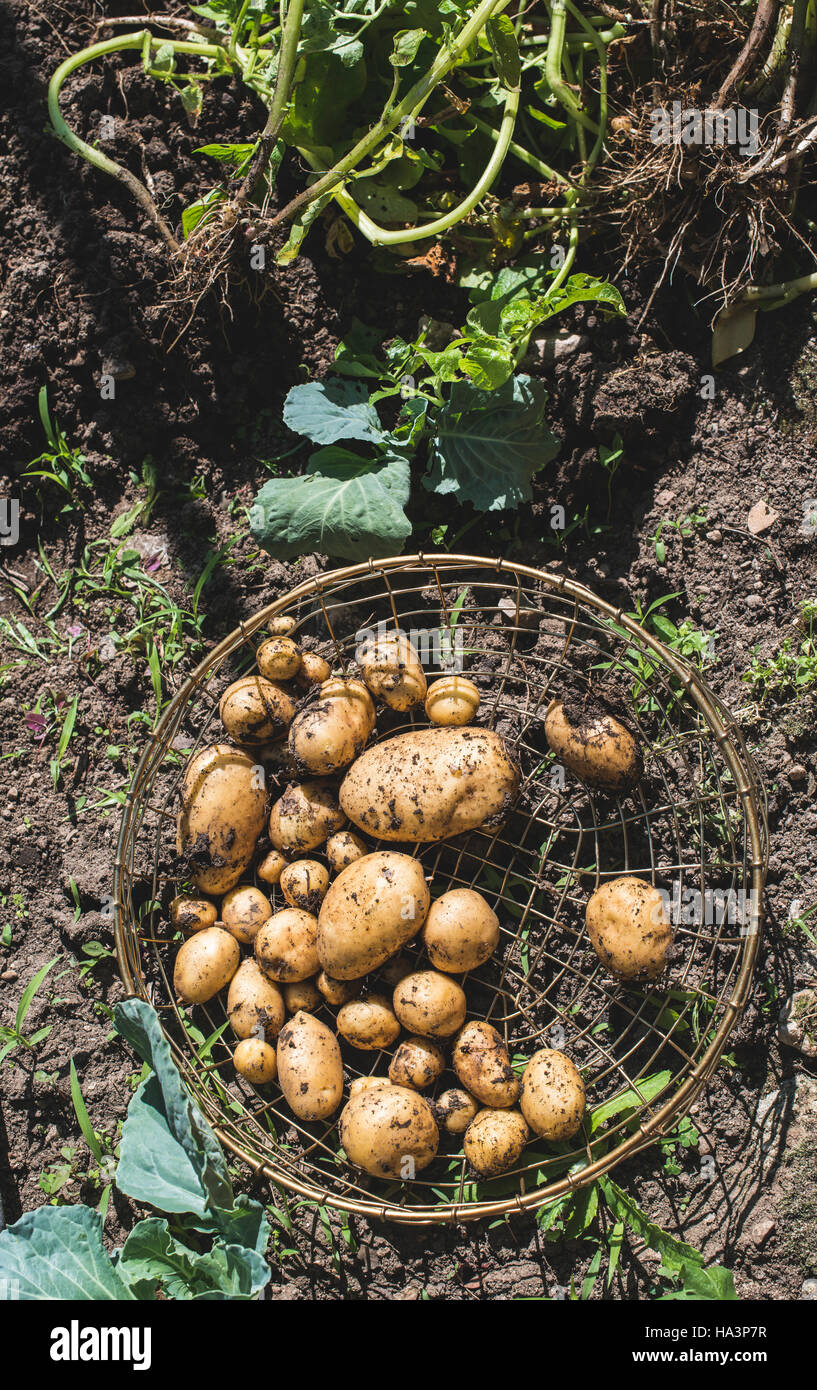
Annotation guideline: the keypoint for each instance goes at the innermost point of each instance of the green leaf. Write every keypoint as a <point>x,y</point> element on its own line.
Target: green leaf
<point>487,445</point>
<point>715,1284</point>
<point>674,1253</point>
<point>56,1253</point>
<point>331,410</point>
<point>82,1115</point>
<point>356,354</point>
<point>734,331</point>
<point>640,1093</point>
<point>501,36</point>
<point>300,227</point>
<point>29,992</point>
<point>152,1257</point>
<point>406,44</point>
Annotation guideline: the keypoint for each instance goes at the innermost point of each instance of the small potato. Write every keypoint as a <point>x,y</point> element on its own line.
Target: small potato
<point>205,963</point>
<point>366,1083</point>
<point>279,658</point>
<point>328,735</point>
<point>271,867</point>
<point>337,992</point>
<point>552,1099</point>
<point>255,711</point>
<point>254,1003</point>
<point>313,670</point>
<point>391,669</point>
<point>224,798</point>
<point>494,1141</point>
<point>480,1059</point>
<point>368,1023</point>
<point>629,929</point>
<point>304,884</point>
<point>286,946</point>
<point>455,1110</point>
<point>305,816</point>
<point>303,995</point>
<point>282,625</point>
<point>396,969</point>
<point>343,849</point>
<point>430,1004</point>
<point>417,1063</point>
<point>372,909</point>
<point>389,1132</point>
<point>243,912</point>
<point>461,931</point>
<point>192,914</point>
<point>602,753</point>
<point>310,1070</point>
<point>255,1060</point>
<point>452,700</point>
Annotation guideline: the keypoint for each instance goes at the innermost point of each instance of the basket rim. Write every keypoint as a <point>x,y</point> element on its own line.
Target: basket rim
<point>748,788</point>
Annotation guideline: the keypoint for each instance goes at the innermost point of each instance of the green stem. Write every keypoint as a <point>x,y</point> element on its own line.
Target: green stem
<point>784,292</point>
<point>553,66</point>
<point>287,61</point>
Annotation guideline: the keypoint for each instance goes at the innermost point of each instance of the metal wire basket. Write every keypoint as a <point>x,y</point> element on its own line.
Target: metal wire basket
<point>695,826</point>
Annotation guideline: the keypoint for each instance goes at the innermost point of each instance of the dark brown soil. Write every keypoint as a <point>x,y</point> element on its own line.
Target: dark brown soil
<point>84,285</point>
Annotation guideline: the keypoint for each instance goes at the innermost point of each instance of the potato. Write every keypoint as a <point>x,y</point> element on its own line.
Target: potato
<point>271,867</point>
<point>452,700</point>
<point>343,849</point>
<point>388,1131</point>
<point>461,931</point>
<point>455,1110</point>
<point>431,784</point>
<point>224,802</point>
<point>337,992</point>
<point>602,753</point>
<point>282,625</point>
<point>430,1004</point>
<point>304,884</point>
<point>286,946</point>
<point>552,1099</point>
<point>303,994</point>
<point>254,1003</point>
<point>391,669</point>
<point>255,1060</point>
<point>243,911</point>
<point>366,1083</point>
<point>205,963</point>
<point>313,670</point>
<point>417,1063</point>
<point>305,816</point>
<point>369,1023</point>
<point>396,969</point>
<point>629,928</point>
<point>310,1071</point>
<point>279,658</point>
<point>480,1059</point>
<point>328,734</point>
<point>494,1141</point>
<point>372,909</point>
<point>192,914</point>
<point>254,710</point>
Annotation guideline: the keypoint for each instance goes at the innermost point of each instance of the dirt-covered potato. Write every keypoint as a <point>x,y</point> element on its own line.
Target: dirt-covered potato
<point>417,1063</point>
<point>310,1071</point>
<point>480,1059</point>
<point>286,946</point>
<point>192,914</point>
<point>205,963</point>
<point>224,802</point>
<point>391,669</point>
<point>552,1098</point>
<point>243,912</point>
<point>305,816</point>
<point>279,658</point>
<point>343,849</point>
<point>366,1083</point>
<point>313,670</point>
<point>430,1004</point>
<point>372,909</point>
<point>452,700</point>
<point>254,1003</point>
<point>602,753</point>
<point>304,884</point>
<point>328,735</point>
<point>461,931</point>
<point>494,1141</point>
<point>255,1060</point>
<point>337,992</point>
<point>282,625</point>
<point>389,1132</point>
<point>255,711</point>
<point>430,784</point>
<point>271,867</point>
<point>303,994</point>
<point>455,1110</point>
<point>368,1023</point>
<point>629,928</point>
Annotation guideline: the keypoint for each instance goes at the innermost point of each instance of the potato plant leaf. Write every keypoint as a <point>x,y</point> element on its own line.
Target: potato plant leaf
<point>331,410</point>
<point>57,1253</point>
<point>151,1256</point>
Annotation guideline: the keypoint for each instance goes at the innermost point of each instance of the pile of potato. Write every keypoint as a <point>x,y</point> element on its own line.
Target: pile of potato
<point>351,909</point>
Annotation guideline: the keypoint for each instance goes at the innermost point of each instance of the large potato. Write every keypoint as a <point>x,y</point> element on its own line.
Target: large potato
<point>254,1003</point>
<point>417,1063</point>
<point>223,807</point>
<point>602,753</point>
<point>629,928</point>
<point>243,910</point>
<point>430,1004</point>
<point>205,963</point>
<point>494,1141</point>
<point>305,816</point>
<point>391,669</point>
<point>368,1023</point>
<point>481,1062</point>
<point>310,1071</point>
<point>329,734</point>
<point>461,931</point>
<point>372,909</point>
<point>388,1131</point>
<point>552,1099</point>
<point>254,710</point>
<point>431,784</point>
<point>286,946</point>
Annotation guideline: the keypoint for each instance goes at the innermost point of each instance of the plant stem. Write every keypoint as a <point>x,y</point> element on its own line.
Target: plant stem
<point>553,67</point>
<point>287,61</point>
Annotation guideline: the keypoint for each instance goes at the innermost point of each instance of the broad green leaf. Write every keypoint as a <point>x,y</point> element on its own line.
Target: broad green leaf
<point>674,1253</point>
<point>331,410</point>
<point>406,44</point>
<point>56,1253</point>
<point>501,36</point>
<point>383,203</point>
<point>715,1284</point>
<point>640,1093</point>
<point>356,353</point>
<point>151,1256</point>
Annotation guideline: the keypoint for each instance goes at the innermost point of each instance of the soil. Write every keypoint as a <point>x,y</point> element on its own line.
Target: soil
<point>85,290</point>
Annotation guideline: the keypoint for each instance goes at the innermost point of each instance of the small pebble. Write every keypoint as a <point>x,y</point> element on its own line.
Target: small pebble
<point>797,773</point>
<point>753,601</point>
<point>9,976</point>
<point>809,1289</point>
<point>761,1231</point>
<point>714,536</point>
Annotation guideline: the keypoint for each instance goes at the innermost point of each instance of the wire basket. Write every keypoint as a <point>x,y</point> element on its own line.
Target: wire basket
<point>695,827</point>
